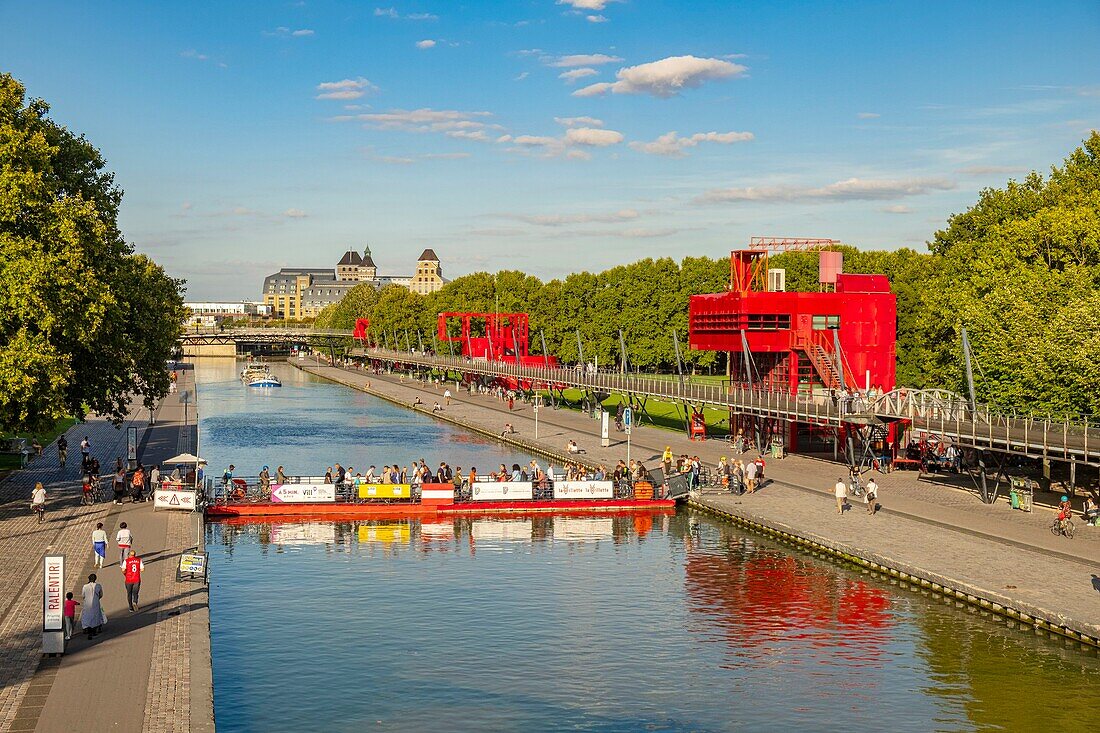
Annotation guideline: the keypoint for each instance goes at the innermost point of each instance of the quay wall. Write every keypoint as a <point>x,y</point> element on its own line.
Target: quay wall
<point>970,568</point>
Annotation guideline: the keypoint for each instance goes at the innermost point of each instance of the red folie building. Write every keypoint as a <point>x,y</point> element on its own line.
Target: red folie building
<point>839,338</point>
<point>492,336</point>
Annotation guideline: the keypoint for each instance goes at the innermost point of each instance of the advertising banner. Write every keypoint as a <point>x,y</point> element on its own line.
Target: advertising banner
<point>53,592</point>
<point>583,490</point>
<point>385,491</point>
<point>503,491</point>
<point>174,499</point>
<point>303,493</point>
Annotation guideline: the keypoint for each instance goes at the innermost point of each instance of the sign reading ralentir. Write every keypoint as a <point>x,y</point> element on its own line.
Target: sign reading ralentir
<point>53,592</point>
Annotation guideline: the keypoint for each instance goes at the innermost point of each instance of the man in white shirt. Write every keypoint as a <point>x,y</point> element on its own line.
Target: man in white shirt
<point>841,493</point>
<point>872,497</point>
<point>750,476</point>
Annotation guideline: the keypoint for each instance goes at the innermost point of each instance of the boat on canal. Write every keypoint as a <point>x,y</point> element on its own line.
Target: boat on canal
<point>266,379</point>
<point>311,497</point>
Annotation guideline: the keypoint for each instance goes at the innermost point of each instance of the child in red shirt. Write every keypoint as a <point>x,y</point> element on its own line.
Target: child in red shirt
<point>70,615</point>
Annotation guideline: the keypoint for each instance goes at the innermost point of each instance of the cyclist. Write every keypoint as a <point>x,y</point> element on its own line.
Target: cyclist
<point>62,450</point>
<point>1065,512</point>
<point>38,500</point>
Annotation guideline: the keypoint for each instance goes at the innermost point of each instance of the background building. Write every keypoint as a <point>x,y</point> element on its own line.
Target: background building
<point>305,292</point>
<point>211,315</point>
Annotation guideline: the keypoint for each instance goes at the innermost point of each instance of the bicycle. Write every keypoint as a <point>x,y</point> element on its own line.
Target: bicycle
<point>1062,527</point>
<point>40,510</point>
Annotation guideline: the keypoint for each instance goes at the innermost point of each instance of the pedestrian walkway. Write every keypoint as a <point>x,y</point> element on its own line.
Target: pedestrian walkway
<point>113,681</point>
<point>987,546</point>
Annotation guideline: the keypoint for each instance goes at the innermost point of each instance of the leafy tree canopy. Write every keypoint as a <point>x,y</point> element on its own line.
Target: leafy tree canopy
<point>84,322</point>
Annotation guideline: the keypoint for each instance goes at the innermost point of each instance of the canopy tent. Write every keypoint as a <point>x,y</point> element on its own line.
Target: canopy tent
<point>185,459</point>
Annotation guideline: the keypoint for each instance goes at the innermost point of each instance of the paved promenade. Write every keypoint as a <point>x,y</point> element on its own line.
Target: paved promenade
<point>1001,552</point>
<point>148,671</point>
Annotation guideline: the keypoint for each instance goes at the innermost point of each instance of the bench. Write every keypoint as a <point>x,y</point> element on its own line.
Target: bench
<point>17,447</point>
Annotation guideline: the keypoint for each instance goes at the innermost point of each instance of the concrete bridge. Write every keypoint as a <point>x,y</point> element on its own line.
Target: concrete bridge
<point>231,341</point>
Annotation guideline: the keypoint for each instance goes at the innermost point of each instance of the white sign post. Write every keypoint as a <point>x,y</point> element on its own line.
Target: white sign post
<point>175,499</point>
<point>628,421</point>
<point>605,441</point>
<point>53,604</point>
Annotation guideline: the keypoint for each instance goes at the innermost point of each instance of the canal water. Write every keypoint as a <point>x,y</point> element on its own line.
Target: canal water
<point>649,622</point>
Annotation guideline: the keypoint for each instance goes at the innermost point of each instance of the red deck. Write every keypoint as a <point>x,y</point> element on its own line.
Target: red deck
<point>381,511</point>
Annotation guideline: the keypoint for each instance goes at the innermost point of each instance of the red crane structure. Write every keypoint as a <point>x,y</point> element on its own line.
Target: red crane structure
<point>822,344</point>
<point>491,336</point>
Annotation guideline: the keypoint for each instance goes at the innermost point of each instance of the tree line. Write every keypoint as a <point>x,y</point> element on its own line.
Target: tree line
<point>1020,270</point>
<point>86,324</point>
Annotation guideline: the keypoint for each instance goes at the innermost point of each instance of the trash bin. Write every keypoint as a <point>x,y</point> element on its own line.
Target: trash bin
<point>1014,497</point>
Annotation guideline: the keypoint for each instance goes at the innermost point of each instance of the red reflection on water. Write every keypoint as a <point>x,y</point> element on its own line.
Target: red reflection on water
<point>762,599</point>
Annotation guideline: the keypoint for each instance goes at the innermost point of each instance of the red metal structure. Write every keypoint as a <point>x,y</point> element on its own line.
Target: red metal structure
<point>491,336</point>
<point>799,342</point>
<point>362,329</point>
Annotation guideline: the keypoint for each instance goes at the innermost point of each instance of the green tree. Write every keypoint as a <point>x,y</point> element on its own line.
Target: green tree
<point>84,322</point>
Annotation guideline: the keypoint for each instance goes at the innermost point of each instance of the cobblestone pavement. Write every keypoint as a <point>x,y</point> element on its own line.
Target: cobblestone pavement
<point>91,687</point>
<point>1008,547</point>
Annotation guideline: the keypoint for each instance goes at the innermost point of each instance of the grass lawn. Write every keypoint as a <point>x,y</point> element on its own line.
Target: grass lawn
<point>11,462</point>
<point>664,414</point>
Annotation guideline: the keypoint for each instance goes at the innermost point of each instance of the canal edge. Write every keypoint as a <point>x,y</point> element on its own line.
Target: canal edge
<point>913,578</point>
<point>527,446</point>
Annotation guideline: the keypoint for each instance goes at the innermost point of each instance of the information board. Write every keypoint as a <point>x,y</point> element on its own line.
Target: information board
<point>385,491</point>
<point>53,592</point>
<point>584,490</point>
<point>193,563</point>
<point>174,499</point>
<point>303,493</point>
<point>503,491</point>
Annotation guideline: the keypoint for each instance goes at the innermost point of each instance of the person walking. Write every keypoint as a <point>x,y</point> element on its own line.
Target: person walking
<point>92,617</point>
<point>99,544</point>
<point>125,540</point>
<point>840,491</point>
<point>70,615</point>
<point>280,477</point>
<point>85,447</point>
<point>447,397</point>
<point>62,450</point>
<point>265,482</point>
<point>118,485</point>
<point>872,497</point>
<point>137,485</point>
<point>154,478</point>
<point>131,574</point>
<point>750,476</point>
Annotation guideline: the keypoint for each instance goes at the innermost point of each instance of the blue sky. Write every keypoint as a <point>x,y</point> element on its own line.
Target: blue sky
<point>549,136</point>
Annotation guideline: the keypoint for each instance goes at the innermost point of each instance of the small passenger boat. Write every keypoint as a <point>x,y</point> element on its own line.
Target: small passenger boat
<point>266,379</point>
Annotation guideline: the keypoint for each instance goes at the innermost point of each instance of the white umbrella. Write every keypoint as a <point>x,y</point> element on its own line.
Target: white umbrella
<point>185,458</point>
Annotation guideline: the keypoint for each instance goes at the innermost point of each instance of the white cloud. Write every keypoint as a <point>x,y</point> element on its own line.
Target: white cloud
<point>586,4</point>
<point>193,54</point>
<point>596,18</point>
<point>641,233</point>
<point>578,121</point>
<point>592,137</point>
<point>557,220</point>
<point>852,189</point>
<point>345,89</point>
<point>665,78</point>
<point>522,76</point>
<point>302,32</point>
<point>572,75</point>
<point>295,214</point>
<point>581,59</point>
<point>897,209</point>
<point>392,13</point>
<point>478,135</point>
<point>672,145</point>
<point>426,43</point>
<point>868,115</point>
<point>451,122</point>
